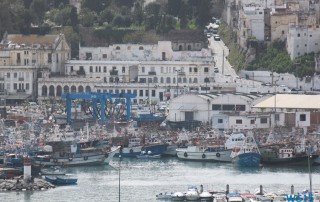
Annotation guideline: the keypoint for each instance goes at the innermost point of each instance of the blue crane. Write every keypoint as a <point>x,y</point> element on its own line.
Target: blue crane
<point>96,98</point>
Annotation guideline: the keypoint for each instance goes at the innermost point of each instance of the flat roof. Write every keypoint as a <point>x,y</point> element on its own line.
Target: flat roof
<point>291,101</point>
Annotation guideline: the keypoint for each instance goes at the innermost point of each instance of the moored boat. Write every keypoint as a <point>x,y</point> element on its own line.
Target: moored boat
<point>286,156</point>
<point>248,155</point>
<point>61,180</point>
<point>192,194</point>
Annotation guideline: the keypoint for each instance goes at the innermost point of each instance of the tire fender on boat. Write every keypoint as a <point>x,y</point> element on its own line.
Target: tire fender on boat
<point>218,154</point>
<point>70,159</point>
<point>203,156</point>
<point>106,155</point>
<point>131,151</point>
<point>85,158</point>
<point>185,154</point>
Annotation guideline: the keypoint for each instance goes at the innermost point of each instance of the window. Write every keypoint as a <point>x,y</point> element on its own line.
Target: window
<point>153,93</point>
<point>140,48</point>
<point>310,35</point>
<point>104,69</point>
<point>140,92</point>
<point>216,107</point>
<point>303,117</point>
<point>206,69</point>
<point>263,120</point>
<point>15,86</point>
<point>123,69</point>
<point>252,121</point>
<point>15,75</point>
<point>91,69</point>
<point>277,117</point>
<point>220,120</point>
<point>282,32</point>
<point>161,69</point>
<point>27,86</point>
<point>195,70</point>
<point>298,35</point>
<point>8,75</point>
<point>104,56</point>
<point>238,121</point>
<point>190,69</point>
<point>117,48</point>
<point>142,69</point>
<point>71,68</point>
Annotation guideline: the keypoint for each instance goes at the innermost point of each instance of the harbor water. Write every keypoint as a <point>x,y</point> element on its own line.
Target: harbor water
<point>143,179</point>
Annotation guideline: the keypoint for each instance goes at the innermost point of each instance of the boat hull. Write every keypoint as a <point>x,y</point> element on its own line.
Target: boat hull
<point>297,160</point>
<point>219,156</point>
<point>249,159</point>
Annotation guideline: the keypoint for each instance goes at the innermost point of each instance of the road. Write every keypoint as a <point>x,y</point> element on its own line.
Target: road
<point>221,51</point>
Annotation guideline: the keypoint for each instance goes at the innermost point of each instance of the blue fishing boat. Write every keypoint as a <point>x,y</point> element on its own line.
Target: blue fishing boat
<point>248,154</point>
<point>61,180</point>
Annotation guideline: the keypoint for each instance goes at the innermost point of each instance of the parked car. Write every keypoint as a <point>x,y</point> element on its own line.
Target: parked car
<point>216,37</point>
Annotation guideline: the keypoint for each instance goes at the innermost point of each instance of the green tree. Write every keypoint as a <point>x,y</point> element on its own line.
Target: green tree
<point>183,16</point>
<point>95,5</point>
<point>173,7</point>
<point>87,17</point>
<point>152,15</point>
<point>39,8</point>
<point>203,12</point>
<point>137,13</point>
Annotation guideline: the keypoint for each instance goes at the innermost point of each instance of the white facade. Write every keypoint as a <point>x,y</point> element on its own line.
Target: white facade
<point>152,72</point>
<point>303,40</point>
<point>251,23</point>
<point>222,111</point>
<point>23,56</point>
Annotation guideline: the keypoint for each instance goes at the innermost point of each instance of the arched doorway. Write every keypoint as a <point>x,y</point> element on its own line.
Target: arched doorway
<point>59,90</point>
<point>66,89</point>
<point>88,89</point>
<point>44,90</point>
<point>51,91</point>
<point>80,89</point>
<point>73,89</point>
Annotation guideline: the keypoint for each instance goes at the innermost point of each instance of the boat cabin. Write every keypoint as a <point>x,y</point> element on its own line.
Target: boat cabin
<point>286,153</point>
<point>234,140</point>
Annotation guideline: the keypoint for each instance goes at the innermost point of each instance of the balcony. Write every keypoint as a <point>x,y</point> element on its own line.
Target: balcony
<point>152,73</point>
<point>2,78</point>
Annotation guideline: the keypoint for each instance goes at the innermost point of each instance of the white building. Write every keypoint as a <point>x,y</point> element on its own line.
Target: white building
<point>303,40</point>
<point>23,57</point>
<point>153,72</point>
<point>251,23</point>
<point>222,111</point>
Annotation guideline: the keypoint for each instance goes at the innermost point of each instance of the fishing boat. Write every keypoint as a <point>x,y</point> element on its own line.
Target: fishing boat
<point>204,153</point>
<point>192,194</point>
<point>53,170</point>
<point>61,180</point>
<point>77,156</point>
<point>206,196</point>
<point>215,152</point>
<point>286,156</point>
<point>146,118</point>
<point>178,196</point>
<point>248,155</point>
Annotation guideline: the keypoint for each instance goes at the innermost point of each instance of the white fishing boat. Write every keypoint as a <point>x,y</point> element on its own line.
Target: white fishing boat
<point>206,196</point>
<point>178,196</point>
<point>207,152</point>
<point>192,194</point>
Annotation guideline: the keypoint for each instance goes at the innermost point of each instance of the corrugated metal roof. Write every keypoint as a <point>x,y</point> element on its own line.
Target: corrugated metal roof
<point>291,101</point>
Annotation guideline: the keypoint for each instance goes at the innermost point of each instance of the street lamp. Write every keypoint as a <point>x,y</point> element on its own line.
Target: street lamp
<point>275,101</point>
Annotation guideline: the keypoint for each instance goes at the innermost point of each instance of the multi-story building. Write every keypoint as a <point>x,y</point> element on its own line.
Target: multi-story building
<point>302,40</point>
<point>23,57</point>
<point>153,72</point>
<point>251,23</point>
